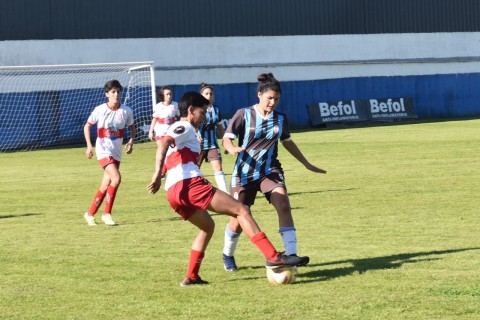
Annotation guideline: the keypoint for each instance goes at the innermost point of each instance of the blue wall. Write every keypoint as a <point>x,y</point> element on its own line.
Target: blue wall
<point>434,96</point>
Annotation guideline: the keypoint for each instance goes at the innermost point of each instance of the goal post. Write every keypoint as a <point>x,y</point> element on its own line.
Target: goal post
<point>48,106</point>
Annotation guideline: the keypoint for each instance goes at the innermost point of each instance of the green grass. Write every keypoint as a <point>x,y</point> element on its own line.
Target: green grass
<point>392,231</point>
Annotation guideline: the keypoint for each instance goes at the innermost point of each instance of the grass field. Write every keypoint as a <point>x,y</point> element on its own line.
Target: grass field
<point>392,231</point>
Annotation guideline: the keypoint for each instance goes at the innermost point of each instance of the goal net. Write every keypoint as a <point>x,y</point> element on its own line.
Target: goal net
<point>47,106</point>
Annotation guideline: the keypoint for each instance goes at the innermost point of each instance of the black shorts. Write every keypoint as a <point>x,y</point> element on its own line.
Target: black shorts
<point>246,194</point>
<point>209,155</point>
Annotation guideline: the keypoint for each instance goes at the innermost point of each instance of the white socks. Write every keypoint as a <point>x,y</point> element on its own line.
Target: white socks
<point>231,242</point>
<point>221,181</point>
<point>289,238</point>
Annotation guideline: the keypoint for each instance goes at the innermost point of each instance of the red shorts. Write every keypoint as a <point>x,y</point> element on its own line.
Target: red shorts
<point>190,195</point>
<point>108,160</point>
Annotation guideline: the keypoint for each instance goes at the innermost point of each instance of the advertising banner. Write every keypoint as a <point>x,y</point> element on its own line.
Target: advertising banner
<point>338,111</point>
<point>361,110</point>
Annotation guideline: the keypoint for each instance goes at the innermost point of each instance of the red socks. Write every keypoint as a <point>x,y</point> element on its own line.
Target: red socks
<point>196,258</point>
<point>111,193</point>
<point>262,243</point>
<point>97,202</point>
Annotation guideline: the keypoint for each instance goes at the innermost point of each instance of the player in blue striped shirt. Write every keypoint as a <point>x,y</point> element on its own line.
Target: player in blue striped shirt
<point>210,151</point>
<point>258,129</point>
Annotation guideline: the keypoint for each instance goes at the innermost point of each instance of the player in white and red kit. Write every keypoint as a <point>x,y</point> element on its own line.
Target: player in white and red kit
<point>111,119</point>
<point>190,194</point>
<point>165,113</point>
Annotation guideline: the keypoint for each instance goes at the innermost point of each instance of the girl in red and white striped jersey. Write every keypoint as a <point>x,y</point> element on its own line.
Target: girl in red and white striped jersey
<point>111,119</point>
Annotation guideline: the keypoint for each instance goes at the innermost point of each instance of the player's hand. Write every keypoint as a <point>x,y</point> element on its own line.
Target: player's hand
<point>154,186</point>
<point>235,150</point>
<point>313,168</point>
<point>89,153</point>
<point>129,147</point>
<point>150,136</point>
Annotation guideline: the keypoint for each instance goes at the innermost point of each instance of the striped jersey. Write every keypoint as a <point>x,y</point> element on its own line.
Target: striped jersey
<point>110,129</point>
<point>181,157</point>
<point>259,137</point>
<point>208,130</point>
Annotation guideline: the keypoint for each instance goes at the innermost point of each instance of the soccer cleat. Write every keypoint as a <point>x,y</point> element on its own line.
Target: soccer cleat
<point>305,261</point>
<point>90,219</point>
<point>188,282</point>
<point>107,219</point>
<point>283,260</point>
<point>229,263</point>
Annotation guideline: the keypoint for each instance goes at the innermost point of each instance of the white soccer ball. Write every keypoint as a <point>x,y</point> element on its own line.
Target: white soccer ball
<point>282,275</point>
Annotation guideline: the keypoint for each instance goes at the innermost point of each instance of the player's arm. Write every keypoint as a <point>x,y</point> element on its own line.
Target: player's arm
<point>129,144</point>
<point>162,149</point>
<point>228,145</point>
<point>293,149</point>
<point>152,126</point>
<point>86,133</point>
<point>220,129</point>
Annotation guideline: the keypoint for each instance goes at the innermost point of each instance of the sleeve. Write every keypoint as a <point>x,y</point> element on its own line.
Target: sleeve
<point>236,126</point>
<point>219,115</point>
<point>285,129</point>
<point>93,118</point>
<point>129,120</point>
<point>177,112</point>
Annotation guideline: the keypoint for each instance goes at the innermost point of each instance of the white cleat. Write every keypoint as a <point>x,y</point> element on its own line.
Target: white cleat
<point>107,219</point>
<point>90,219</point>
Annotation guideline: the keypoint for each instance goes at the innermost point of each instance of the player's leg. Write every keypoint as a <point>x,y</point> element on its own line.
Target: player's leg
<point>281,203</point>
<point>115,179</point>
<point>215,159</point>
<point>97,200</point>
<point>224,203</point>
<point>202,220</point>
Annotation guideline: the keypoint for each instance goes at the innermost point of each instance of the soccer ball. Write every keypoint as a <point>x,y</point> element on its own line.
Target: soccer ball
<point>282,275</point>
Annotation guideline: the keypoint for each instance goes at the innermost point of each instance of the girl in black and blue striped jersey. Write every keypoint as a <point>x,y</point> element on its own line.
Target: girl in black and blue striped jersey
<point>258,129</point>
<point>207,133</point>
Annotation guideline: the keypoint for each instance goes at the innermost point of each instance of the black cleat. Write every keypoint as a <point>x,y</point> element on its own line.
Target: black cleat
<point>187,281</point>
<point>283,260</point>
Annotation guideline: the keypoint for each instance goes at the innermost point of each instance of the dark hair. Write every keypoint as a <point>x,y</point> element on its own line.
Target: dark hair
<point>191,98</point>
<point>266,81</point>
<point>204,86</point>
<point>109,85</point>
<point>160,92</point>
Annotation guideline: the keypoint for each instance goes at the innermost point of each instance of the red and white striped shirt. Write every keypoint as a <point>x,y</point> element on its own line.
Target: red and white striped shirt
<point>181,158</point>
<point>165,116</point>
<point>110,129</point>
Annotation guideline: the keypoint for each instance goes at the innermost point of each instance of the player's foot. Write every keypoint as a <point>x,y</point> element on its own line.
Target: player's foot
<point>107,219</point>
<point>229,263</point>
<point>90,219</point>
<point>305,261</point>
<point>284,260</point>
<point>188,282</point>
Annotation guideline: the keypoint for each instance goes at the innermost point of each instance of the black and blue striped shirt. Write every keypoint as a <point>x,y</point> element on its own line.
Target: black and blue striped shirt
<point>259,137</point>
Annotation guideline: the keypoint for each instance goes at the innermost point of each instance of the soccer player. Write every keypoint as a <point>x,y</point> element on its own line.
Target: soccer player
<point>165,113</point>
<point>210,151</point>
<point>257,168</point>
<point>111,119</point>
<point>190,194</point>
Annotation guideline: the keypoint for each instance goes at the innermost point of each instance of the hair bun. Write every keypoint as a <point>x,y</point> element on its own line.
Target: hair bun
<point>265,77</point>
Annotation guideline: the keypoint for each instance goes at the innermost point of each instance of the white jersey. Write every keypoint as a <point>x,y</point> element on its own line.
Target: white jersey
<point>181,159</point>
<point>165,116</point>
<point>110,129</point>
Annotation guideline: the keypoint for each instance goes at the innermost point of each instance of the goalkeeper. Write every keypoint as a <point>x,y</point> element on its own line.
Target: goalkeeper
<point>111,119</point>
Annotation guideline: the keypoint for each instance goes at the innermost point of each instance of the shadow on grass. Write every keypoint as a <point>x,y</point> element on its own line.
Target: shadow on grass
<point>321,191</point>
<point>361,266</point>
<point>19,215</point>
